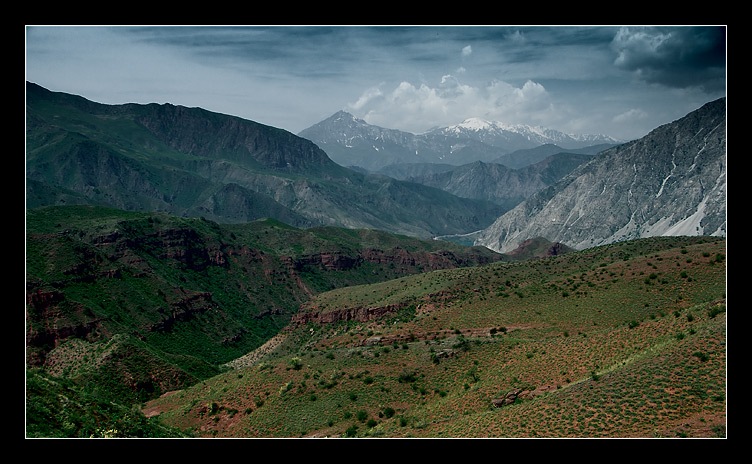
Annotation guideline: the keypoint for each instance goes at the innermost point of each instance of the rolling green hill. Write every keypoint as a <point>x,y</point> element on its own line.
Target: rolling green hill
<point>267,330</point>
<point>131,305</point>
<point>625,340</point>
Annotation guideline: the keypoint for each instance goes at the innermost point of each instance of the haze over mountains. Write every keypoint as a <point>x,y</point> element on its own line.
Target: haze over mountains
<point>350,141</point>
<point>191,162</point>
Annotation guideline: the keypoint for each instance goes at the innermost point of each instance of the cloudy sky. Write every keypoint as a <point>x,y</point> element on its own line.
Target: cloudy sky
<point>620,81</point>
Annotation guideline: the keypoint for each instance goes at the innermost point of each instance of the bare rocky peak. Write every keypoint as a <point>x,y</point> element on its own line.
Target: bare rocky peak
<point>670,182</point>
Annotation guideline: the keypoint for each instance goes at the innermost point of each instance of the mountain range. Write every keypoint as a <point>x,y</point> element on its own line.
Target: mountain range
<point>193,274</point>
<point>670,182</point>
<point>191,162</point>
<point>496,182</point>
<point>350,141</point>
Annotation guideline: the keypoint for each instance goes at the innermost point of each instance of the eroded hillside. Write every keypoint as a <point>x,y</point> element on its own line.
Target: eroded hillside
<point>621,340</point>
<point>132,305</point>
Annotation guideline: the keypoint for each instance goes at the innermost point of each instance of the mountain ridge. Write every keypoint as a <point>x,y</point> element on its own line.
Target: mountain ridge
<point>498,183</point>
<point>375,334</point>
<point>352,141</point>
<point>489,130</point>
<point>670,182</point>
<point>193,162</point>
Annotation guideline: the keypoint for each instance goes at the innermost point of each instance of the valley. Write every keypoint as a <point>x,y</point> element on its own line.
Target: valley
<point>194,163</point>
<point>190,274</point>
<point>429,339</point>
<point>620,341</point>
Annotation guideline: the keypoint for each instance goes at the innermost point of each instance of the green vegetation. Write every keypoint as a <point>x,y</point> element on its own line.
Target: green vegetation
<point>130,306</point>
<point>172,325</point>
<point>59,408</point>
<point>125,308</point>
<point>223,168</point>
<point>604,362</point>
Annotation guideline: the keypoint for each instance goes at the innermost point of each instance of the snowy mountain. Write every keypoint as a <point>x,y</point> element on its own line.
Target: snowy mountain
<point>513,137</point>
<point>670,182</point>
<point>350,141</point>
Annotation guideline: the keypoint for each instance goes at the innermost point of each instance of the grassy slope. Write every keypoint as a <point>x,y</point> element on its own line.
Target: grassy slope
<point>623,340</point>
<point>142,303</point>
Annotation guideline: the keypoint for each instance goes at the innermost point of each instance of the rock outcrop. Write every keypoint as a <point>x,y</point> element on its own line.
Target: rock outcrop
<point>670,182</point>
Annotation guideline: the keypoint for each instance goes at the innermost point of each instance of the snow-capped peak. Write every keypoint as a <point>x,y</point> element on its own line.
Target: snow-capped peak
<point>475,124</point>
<point>478,124</point>
<point>484,128</point>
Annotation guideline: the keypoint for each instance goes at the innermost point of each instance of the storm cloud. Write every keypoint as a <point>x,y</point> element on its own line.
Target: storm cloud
<point>677,57</point>
<point>613,80</point>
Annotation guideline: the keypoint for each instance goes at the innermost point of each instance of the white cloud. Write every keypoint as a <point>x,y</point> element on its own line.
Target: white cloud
<point>417,108</point>
<point>467,51</point>
<point>368,96</point>
<point>630,116</point>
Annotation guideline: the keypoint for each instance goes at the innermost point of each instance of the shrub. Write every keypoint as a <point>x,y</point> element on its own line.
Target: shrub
<point>461,344</point>
<point>285,388</point>
<point>213,408</point>
<point>716,310</point>
<point>407,376</point>
<point>701,356</point>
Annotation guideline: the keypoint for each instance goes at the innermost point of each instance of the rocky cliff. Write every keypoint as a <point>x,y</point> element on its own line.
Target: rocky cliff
<point>670,182</point>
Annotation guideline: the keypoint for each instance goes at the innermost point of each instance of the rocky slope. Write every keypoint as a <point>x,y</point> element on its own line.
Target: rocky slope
<point>626,340</point>
<point>500,184</point>
<point>670,182</point>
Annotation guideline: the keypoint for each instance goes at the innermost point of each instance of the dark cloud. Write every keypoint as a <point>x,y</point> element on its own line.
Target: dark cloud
<point>679,57</point>
<point>575,79</point>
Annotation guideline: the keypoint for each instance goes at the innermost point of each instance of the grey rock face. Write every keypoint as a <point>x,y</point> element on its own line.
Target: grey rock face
<point>670,182</point>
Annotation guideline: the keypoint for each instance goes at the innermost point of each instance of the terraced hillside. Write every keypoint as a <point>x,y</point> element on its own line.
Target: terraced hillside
<point>624,340</point>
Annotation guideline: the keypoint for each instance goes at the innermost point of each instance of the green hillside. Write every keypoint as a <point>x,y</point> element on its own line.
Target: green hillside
<point>190,162</point>
<point>625,340</point>
<point>131,305</point>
